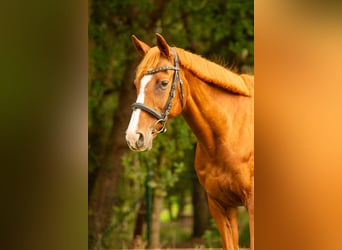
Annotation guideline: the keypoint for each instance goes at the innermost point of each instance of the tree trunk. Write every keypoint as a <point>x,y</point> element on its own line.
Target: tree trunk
<point>155,223</point>
<point>181,204</point>
<point>137,242</point>
<point>201,210</point>
<point>104,194</point>
<point>199,200</point>
<point>104,183</point>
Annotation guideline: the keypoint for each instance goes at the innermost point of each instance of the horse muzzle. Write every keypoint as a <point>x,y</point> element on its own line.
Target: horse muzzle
<point>138,141</point>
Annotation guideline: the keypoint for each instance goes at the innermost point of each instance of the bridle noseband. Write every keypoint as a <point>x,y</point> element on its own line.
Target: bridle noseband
<point>162,116</point>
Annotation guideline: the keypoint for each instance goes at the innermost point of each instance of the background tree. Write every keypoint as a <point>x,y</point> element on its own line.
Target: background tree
<point>219,30</point>
<point>164,164</point>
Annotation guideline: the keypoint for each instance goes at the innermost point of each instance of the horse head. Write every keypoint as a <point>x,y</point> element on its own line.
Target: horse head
<point>159,96</point>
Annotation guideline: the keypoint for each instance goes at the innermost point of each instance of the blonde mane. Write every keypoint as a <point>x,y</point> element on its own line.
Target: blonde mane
<point>204,69</point>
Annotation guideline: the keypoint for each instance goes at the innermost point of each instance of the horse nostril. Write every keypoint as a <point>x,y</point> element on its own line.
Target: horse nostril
<point>140,141</point>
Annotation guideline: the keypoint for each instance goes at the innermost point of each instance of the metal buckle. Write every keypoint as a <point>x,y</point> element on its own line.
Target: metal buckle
<point>163,129</point>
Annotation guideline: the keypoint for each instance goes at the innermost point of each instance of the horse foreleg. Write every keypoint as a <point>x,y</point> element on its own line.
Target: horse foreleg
<point>227,224</point>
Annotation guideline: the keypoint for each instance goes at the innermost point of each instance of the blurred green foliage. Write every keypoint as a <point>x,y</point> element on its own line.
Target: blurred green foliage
<point>172,146</point>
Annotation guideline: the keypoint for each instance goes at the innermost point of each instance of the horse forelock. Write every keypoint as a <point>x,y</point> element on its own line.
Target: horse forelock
<point>150,61</point>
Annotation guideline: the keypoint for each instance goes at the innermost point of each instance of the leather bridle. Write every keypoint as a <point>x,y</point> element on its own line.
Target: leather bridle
<point>163,115</point>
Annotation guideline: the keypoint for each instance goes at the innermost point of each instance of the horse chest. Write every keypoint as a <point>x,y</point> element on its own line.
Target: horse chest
<point>223,185</point>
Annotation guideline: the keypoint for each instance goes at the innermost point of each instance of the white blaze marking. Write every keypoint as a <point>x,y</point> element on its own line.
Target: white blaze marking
<point>133,124</point>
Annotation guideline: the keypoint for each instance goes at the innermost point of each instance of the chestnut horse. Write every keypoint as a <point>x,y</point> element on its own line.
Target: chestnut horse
<point>218,105</point>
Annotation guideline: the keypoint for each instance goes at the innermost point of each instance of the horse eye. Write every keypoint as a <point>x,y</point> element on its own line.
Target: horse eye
<point>164,83</point>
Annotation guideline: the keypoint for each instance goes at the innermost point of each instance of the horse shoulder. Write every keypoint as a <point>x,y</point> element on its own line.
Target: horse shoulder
<point>226,180</point>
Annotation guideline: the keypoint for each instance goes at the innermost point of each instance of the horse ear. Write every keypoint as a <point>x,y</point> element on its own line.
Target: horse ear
<point>140,46</point>
<point>162,45</point>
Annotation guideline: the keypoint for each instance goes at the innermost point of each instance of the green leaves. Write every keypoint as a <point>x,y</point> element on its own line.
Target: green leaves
<point>166,161</point>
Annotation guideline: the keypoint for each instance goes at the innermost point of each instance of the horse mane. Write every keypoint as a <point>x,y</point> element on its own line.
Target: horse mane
<point>213,73</point>
<point>204,69</point>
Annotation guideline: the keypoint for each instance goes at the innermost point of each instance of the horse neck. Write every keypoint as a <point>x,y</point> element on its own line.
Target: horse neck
<point>206,111</point>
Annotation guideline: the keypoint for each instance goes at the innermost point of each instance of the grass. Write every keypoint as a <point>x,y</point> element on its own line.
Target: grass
<point>173,232</point>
